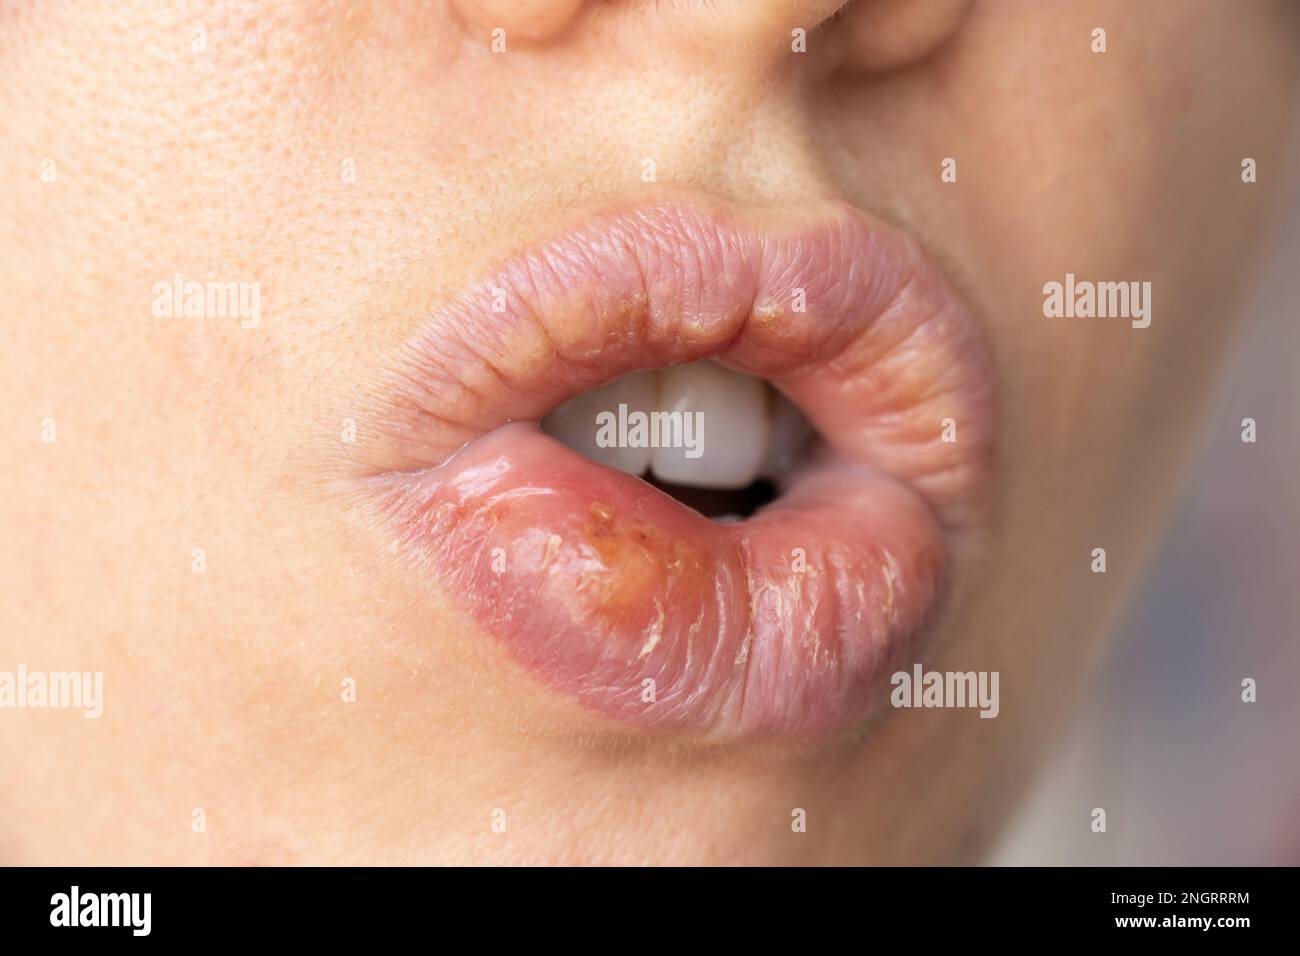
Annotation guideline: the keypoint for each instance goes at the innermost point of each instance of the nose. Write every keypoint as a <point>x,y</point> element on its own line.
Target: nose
<point>871,35</point>
<point>528,21</point>
<point>715,95</point>
<point>704,24</point>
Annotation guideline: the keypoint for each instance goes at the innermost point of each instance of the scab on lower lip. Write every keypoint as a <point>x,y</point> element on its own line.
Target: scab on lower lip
<point>637,558</point>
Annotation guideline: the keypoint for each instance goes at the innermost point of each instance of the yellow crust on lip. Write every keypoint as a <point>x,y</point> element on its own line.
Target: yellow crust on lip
<point>638,561</point>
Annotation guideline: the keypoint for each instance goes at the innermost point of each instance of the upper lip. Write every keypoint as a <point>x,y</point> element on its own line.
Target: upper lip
<point>606,582</point>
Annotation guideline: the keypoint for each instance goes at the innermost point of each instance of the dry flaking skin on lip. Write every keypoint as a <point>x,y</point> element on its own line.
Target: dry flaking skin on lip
<point>614,594</point>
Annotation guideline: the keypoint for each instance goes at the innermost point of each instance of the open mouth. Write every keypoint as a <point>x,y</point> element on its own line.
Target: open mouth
<point>653,424</point>
<point>694,474</point>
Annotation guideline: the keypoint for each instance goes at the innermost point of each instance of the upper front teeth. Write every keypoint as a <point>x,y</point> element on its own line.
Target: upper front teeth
<point>732,410</point>
<point>700,424</point>
<point>574,422</point>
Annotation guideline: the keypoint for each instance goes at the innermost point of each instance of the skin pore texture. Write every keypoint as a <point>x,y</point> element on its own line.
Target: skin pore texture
<point>237,521</point>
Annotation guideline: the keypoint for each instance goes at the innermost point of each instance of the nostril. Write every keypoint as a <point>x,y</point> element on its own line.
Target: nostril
<point>884,35</point>
<point>528,21</point>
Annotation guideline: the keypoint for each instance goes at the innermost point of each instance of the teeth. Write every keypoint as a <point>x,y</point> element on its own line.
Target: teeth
<point>699,425</point>
<point>576,422</point>
<point>729,412</point>
<point>788,437</point>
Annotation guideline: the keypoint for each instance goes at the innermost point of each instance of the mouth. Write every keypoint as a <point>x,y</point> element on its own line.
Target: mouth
<point>693,473</point>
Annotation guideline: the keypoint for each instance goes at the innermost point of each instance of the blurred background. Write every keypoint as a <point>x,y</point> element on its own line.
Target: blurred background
<point>1188,773</point>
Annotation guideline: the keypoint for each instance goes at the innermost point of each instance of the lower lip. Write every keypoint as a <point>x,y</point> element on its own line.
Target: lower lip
<point>648,613</point>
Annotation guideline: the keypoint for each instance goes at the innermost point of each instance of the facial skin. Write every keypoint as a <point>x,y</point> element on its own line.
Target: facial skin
<point>224,688</point>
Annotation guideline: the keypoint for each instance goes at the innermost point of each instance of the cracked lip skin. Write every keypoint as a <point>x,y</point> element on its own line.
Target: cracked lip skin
<point>613,594</point>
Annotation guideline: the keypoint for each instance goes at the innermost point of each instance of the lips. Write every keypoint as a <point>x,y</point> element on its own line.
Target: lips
<point>617,596</point>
